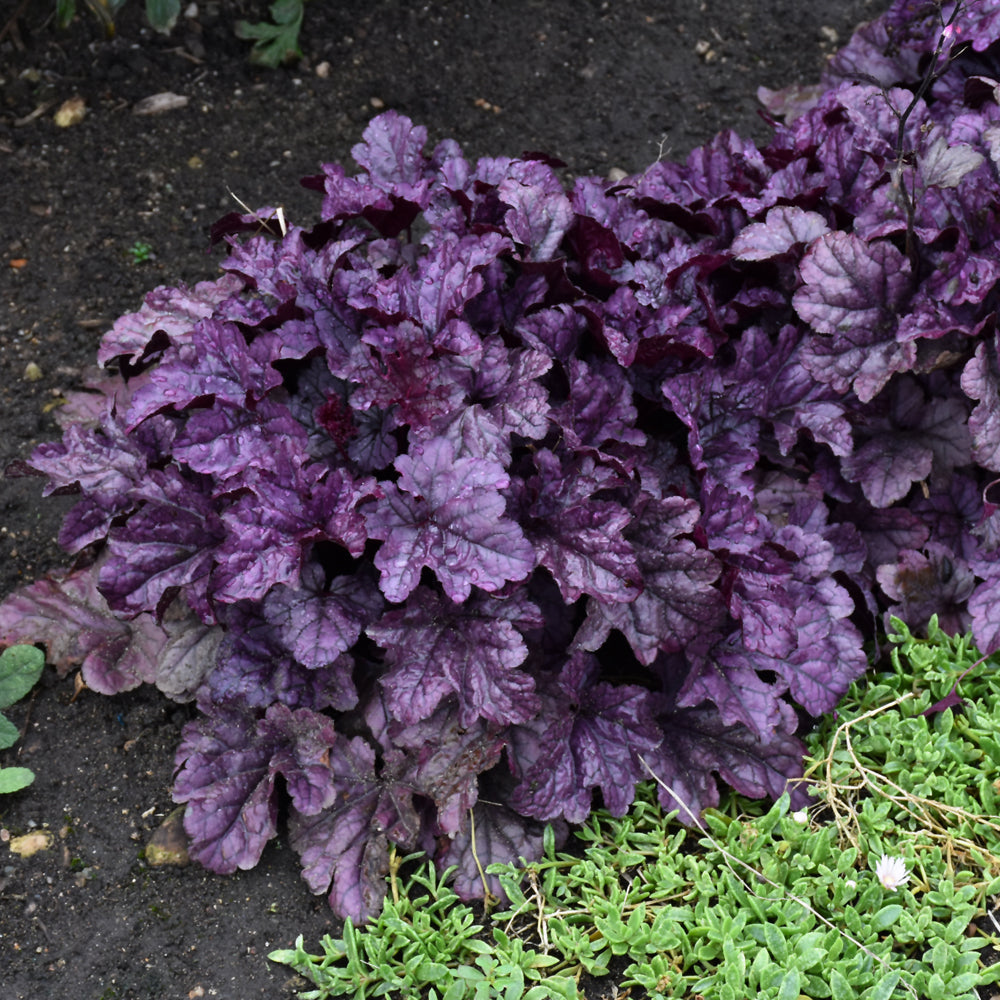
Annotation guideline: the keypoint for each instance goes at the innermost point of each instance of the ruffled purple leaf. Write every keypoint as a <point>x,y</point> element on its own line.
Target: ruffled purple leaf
<point>678,601</point>
<point>555,331</point>
<point>225,441</point>
<point>540,212</point>
<point>580,540</point>
<point>726,676</point>
<point>447,514</point>
<point>698,745</point>
<point>167,544</point>
<point>318,623</point>
<point>169,311</point>
<point>215,363</point>
<point>984,607</point>
<point>599,409</point>
<point>255,668</point>
<point>270,527</point>
<point>784,227</point>
<point>587,738</point>
<point>392,155</point>
<point>851,293</point>
<point>934,581</point>
<point>70,617</point>
<point>436,648</point>
<point>345,848</point>
<point>228,766</point>
<point>981,382</point>
<point>916,436</point>
<point>103,463</point>
<point>188,656</point>
<point>446,758</point>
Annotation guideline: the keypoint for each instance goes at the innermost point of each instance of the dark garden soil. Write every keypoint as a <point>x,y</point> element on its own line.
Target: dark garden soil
<point>601,85</point>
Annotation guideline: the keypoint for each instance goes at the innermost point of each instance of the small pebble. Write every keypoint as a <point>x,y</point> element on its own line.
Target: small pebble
<point>156,104</point>
<point>31,843</point>
<point>168,845</point>
<point>70,112</point>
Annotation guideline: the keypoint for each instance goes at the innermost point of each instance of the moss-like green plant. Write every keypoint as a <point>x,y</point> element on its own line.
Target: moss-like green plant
<point>871,892</point>
<point>20,668</point>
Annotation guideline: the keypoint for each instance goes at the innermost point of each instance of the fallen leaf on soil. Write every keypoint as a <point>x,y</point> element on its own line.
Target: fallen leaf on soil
<point>31,843</point>
<point>70,112</point>
<point>158,103</point>
<point>168,845</point>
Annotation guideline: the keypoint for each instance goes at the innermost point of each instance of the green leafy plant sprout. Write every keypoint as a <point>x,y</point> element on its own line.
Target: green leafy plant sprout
<point>20,668</point>
<point>275,43</point>
<point>759,901</point>
<point>140,252</point>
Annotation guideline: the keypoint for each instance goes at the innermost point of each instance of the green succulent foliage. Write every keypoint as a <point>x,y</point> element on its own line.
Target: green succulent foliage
<point>277,43</point>
<point>427,946</point>
<point>761,901</point>
<point>20,668</point>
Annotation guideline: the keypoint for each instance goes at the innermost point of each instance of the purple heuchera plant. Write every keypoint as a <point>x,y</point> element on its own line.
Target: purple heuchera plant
<point>482,496</point>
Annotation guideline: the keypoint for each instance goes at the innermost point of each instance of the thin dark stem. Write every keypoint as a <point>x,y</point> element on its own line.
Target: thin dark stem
<point>909,196</point>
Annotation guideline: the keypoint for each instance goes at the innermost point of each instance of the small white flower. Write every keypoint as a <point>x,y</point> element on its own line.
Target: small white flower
<point>851,884</point>
<point>801,816</point>
<point>891,872</point>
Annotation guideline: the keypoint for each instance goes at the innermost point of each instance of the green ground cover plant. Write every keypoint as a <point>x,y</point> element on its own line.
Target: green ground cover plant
<point>20,668</point>
<point>873,891</point>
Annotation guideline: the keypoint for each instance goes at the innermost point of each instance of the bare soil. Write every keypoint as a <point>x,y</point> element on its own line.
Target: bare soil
<point>600,85</point>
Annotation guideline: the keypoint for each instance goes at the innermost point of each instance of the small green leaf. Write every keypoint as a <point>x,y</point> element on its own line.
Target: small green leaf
<point>790,985</point>
<point>776,943</point>
<point>882,990</point>
<point>9,733</point>
<point>163,14</point>
<point>13,779</point>
<point>936,989</point>
<point>20,668</point>
<point>964,983</point>
<point>840,988</point>
<point>65,12</point>
<point>886,917</point>
<point>275,43</point>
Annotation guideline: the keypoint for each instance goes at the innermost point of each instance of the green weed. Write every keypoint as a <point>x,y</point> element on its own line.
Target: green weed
<point>20,668</point>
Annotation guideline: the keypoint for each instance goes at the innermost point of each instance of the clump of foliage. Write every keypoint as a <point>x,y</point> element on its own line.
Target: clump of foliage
<point>481,497</point>
<point>20,668</point>
<point>275,42</point>
<point>761,903</point>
